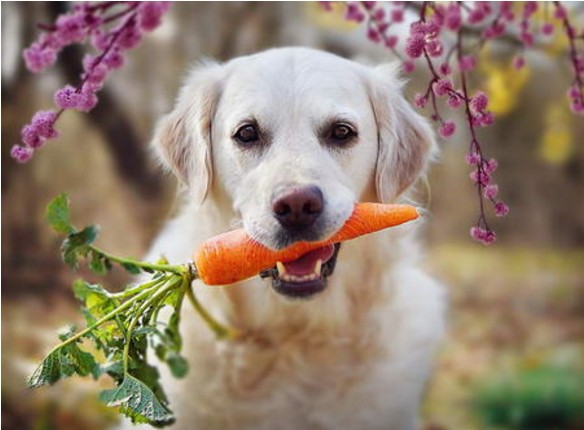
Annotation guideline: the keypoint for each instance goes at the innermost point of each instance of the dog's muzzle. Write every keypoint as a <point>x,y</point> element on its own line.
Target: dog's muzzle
<point>305,276</point>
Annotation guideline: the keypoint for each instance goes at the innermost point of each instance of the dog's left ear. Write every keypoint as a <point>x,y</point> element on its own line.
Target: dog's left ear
<point>406,140</point>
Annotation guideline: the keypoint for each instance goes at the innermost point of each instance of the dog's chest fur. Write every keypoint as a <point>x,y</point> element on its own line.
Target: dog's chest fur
<point>355,357</point>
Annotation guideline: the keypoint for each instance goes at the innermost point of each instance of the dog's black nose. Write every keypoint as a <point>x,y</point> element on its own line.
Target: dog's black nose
<point>298,207</point>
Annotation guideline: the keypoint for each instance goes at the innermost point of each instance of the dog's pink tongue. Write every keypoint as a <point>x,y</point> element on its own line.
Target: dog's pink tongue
<point>305,264</point>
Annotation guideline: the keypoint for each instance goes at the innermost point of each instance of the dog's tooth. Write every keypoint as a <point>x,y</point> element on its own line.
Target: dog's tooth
<point>281,268</point>
<point>317,268</point>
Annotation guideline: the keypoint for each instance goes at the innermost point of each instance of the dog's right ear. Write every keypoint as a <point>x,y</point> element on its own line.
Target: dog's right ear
<point>182,139</point>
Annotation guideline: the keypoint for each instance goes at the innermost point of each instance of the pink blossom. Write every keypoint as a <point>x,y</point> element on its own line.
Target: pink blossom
<point>432,28</point>
<point>473,158</point>
<point>150,14</point>
<point>97,74</point>
<point>479,102</point>
<point>379,14</point>
<point>369,4</point>
<point>447,129</point>
<point>476,16</point>
<point>391,41</point>
<point>434,48</point>
<point>529,8</point>
<point>527,38</point>
<point>86,101</point>
<point>518,62</point>
<point>420,100</point>
<point>114,59</point>
<point>326,5</point>
<point>501,209</point>
<point>21,153</point>
<point>491,191</point>
<point>100,39</point>
<point>560,12</point>
<point>486,237</point>
<point>129,37</point>
<point>397,15</point>
<point>38,58</point>
<point>91,87</point>
<point>483,119</point>
<point>480,177</point>
<point>506,9</point>
<point>509,16</point>
<point>574,92</point>
<point>353,13</point>
<point>373,35</point>
<point>382,27</point>
<point>30,136</point>
<point>44,123</point>
<point>454,101</point>
<point>547,28</point>
<point>490,166</point>
<point>577,106</point>
<point>71,28</point>
<point>467,63</point>
<point>452,18</point>
<point>66,97</point>
<point>409,66</point>
<point>494,30</point>
<point>445,69</point>
<point>442,87</point>
<point>437,20</point>
<point>428,29</point>
<point>415,46</point>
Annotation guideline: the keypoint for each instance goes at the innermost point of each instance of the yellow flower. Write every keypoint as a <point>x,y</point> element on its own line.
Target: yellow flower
<point>556,144</point>
<point>333,19</point>
<point>503,84</point>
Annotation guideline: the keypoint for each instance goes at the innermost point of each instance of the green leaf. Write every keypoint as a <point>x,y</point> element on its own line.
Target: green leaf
<point>83,362</point>
<point>178,365</point>
<point>53,367</point>
<point>95,299</point>
<point>84,291</point>
<point>138,402</point>
<point>57,214</point>
<point>98,263</point>
<point>63,362</point>
<point>131,267</point>
<point>75,245</point>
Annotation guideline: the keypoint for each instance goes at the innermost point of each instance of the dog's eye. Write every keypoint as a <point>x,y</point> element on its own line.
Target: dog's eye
<point>247,134</point>
<point>341,133</point>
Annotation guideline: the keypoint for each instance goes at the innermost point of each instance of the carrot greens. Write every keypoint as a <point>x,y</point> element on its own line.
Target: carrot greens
<point>124,327</point>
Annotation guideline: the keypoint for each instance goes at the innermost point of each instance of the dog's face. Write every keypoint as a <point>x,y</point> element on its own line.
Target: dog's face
<point>293,138</point>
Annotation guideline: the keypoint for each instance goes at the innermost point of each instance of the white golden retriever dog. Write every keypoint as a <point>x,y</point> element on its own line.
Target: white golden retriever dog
<point>284,142</point>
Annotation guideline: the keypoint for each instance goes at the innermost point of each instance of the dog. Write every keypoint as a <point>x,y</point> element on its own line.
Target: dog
<point>283,143</point>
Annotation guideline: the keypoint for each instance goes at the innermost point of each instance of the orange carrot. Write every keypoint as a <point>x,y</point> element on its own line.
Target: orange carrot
<point>234,256</point>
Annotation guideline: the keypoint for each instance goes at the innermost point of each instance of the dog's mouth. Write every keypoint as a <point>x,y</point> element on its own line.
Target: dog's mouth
<point>305,276</point>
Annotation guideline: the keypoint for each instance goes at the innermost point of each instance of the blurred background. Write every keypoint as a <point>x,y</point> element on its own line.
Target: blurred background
<point>514,354</point>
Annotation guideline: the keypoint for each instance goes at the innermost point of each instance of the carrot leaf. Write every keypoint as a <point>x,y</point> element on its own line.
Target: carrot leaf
<point>138,402</point>
<point>57,214</point>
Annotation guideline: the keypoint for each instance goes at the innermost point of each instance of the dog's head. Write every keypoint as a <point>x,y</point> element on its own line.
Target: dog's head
<point>292,138</point>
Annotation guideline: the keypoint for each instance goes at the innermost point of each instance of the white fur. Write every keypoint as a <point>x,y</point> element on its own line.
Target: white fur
<point>355,356</point>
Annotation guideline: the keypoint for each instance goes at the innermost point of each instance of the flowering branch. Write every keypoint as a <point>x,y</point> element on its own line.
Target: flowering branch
<point>439,39</point>
<point>88,21</point>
